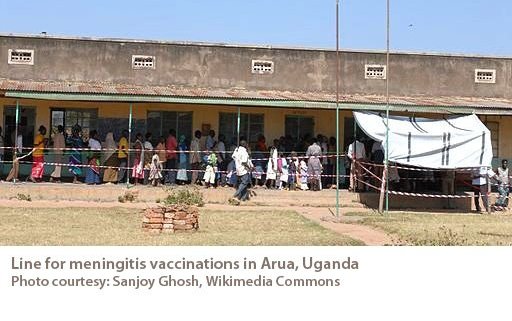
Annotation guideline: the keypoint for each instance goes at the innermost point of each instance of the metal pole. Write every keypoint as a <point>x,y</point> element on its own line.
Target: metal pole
<point>337,110</point>
<point>238,127</point>
<point>17,122</point>
<point>488,207</point>
<point>129,145</point>
<point>386,164</point>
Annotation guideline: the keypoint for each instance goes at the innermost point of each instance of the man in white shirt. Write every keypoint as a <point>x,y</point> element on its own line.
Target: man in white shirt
<point>479,182</point>
<point>242,165</point>
<point>356,152</point>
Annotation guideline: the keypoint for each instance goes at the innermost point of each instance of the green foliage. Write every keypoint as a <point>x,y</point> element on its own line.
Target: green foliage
<point>23,197</point>
<point>128,196</point>
<point>185,197</point>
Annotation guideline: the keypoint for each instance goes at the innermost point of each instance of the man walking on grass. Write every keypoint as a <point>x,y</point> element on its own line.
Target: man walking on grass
<point>243,166</point>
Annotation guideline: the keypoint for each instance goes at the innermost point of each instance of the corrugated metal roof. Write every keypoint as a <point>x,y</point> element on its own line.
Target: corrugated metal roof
<point>118,90</point>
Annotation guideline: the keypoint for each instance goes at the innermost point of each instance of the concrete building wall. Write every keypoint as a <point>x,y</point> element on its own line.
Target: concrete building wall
<point>218,66</point>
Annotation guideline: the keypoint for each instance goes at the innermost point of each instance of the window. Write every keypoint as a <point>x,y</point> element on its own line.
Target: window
<point>21,57</point>
<point>485,76</point>
<point>494,128</point>
<point>262,67</point>
<point>251,126</point>
<point>143,62</point>
<point>374,72</point>
<point>160,122</point>
<point>87,119</point>
<point>299,126</point>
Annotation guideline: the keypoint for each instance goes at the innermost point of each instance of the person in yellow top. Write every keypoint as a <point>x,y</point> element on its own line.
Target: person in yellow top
<point>38,156</point>
<point>123,155</point>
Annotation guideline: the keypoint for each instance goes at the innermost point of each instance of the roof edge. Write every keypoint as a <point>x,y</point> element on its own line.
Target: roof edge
<point>248,46</point>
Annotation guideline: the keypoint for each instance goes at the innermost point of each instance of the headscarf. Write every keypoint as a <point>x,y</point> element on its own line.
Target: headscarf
<point>110,146</point>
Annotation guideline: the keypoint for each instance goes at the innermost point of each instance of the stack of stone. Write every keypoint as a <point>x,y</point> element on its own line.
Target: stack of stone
<point>171,218</point>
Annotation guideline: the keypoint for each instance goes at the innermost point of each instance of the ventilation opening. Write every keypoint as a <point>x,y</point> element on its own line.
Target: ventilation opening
<point>374,72</point>
<point>143,62</point>
<point>21,57</point>
<point>262,67</point>
<point>486,76</point>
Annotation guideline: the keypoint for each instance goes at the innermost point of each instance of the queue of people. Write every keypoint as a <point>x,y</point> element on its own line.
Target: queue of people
<point>175,160</point>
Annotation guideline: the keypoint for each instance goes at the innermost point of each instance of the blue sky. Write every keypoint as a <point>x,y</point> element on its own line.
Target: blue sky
<point>458,26</point>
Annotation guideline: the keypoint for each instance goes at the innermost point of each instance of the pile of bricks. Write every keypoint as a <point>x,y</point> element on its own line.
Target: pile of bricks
<point>168,219</point>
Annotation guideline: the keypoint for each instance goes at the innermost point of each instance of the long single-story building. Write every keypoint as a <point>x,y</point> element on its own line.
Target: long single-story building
<point>278,91</point>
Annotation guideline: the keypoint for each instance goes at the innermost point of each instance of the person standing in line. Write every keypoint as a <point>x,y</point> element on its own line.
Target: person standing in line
<point>480,177</point>
<point>377,158</point>
<point>195,156</point>
<point>313,153</point>
<point>148,157</point>
<point>211,169</point>
<point>76,143</point>
<point>138,162</point>
<point>170,147</point>
<point>356,152</point>
<point>243,167</point>
<point>272,168</point>
<point>331,169</point>
<point>182,175</point>
<point>92,174</point>
<point>110,159</point>
<point>503,188</point>
<point>122,155</point>
<point>155,170</point>
<point>162,154</point>
<point>59,143</point>
<point>210,141</point>
<point>221,157</point>
<point>36,174</point>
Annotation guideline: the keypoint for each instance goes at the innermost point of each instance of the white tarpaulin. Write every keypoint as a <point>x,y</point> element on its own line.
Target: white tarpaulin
<point>454,142</point>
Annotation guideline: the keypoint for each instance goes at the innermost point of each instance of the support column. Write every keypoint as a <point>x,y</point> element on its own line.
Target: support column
<point>17,124</point>
<point>130,117</point>
<point>238,127</point>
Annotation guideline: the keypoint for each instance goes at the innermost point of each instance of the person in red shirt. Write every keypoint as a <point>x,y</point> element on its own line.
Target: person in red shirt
<point>170,147</point>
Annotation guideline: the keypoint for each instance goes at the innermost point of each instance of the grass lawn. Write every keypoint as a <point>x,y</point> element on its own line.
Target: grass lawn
<point>122,226</point>
<point>442,229</point>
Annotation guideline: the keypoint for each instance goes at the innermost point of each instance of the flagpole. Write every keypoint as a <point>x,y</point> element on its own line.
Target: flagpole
<point>337,110</point>
<point>386,164</point>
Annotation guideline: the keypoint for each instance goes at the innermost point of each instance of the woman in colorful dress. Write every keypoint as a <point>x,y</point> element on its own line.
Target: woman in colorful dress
<point>138,162</point>
<point>76,144</point>
<point>92,175</point>
<point>38,156</point>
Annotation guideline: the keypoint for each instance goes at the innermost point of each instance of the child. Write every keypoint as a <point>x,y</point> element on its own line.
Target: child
<point>293,164</point>
<point>211,169</point>
<point>283,170</point>
<point>303,175</point>
<point>155,170</point>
